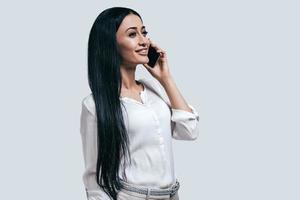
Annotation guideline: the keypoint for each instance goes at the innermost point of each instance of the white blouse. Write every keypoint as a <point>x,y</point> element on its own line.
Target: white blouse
<point>151,125</point>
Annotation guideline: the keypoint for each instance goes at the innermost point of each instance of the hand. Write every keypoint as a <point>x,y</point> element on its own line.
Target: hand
<point>160,71</point>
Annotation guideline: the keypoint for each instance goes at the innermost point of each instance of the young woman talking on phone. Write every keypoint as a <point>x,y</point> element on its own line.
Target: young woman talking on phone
<point>127,125</point>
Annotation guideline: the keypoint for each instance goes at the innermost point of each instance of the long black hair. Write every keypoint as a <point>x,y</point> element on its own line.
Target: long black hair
<point>105,82</point>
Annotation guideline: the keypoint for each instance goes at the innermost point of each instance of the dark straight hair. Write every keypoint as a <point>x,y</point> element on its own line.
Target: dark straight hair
<point>105,82</point>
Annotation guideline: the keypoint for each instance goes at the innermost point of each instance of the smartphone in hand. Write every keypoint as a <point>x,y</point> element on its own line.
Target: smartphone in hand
<point>153,56</point>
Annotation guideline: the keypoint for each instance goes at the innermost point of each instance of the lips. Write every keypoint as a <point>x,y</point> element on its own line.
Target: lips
<point>142,52</point>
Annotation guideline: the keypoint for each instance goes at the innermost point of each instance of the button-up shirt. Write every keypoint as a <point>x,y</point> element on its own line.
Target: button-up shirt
<point>151,125</point>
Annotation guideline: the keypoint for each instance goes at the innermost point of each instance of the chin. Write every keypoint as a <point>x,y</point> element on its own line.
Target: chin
<point>144,61</point>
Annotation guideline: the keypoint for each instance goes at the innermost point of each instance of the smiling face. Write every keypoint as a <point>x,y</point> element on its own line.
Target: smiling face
<point>131,37</point>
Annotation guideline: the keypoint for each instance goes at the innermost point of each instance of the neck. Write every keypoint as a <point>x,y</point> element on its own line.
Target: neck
<point>128,78</point>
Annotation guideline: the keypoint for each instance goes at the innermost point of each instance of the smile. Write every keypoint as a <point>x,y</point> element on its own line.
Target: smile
<point>143,54</point>
<point>143,51</point>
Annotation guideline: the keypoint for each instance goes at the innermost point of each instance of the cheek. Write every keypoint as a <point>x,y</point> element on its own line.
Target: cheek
<point>129,45</point>
<point>127,49</point>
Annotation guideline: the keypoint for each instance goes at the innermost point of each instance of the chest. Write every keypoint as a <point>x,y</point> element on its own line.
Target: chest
<point>143,119</point>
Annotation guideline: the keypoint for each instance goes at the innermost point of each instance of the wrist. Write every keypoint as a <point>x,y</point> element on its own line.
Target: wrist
<point>166,80</point>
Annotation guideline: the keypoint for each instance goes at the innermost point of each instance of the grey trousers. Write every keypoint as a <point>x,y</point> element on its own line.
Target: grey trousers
<point>129,195</point>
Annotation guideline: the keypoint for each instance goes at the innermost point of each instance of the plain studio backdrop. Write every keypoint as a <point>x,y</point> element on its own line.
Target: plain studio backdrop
<point>236,62</point>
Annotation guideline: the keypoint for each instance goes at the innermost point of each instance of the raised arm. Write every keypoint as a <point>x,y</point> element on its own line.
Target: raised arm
<point>185,118</point>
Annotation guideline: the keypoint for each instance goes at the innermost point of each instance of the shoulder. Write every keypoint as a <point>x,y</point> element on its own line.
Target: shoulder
<point>89,103</point>
<point>152,84</point>
<point>155,86</point>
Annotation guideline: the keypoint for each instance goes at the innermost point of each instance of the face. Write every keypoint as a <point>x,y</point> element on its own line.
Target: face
<point>131,38</point>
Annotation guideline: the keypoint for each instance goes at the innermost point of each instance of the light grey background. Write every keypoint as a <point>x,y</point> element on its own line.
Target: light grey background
<point>237,62</point>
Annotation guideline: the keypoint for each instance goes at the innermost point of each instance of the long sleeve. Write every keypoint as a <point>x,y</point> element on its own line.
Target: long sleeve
<point>88,130</point>
<point>184,124</point>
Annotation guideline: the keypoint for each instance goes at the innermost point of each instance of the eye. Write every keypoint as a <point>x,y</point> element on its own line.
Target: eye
<point>131,34</point>
<point>134,33</point>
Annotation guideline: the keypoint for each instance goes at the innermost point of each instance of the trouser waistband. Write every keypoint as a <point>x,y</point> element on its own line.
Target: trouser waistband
<point>151,191</point>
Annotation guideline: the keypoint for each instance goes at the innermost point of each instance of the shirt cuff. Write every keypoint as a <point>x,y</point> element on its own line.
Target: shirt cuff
<point>182,115</point>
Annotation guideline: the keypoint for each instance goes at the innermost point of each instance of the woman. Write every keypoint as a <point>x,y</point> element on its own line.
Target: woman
<point>127,124</point>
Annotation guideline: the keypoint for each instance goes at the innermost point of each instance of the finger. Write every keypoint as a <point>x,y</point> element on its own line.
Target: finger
<point>158,49</point>
<point>161,51</point>
<point>154,45</point>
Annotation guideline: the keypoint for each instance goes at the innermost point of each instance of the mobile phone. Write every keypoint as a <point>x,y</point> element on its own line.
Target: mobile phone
<point>153,56</point>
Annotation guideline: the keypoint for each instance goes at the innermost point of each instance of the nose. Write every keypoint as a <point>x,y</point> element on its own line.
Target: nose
<point>144,41</point>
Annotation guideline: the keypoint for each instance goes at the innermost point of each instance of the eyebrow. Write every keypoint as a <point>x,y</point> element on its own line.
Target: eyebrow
<point>134,27</point>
